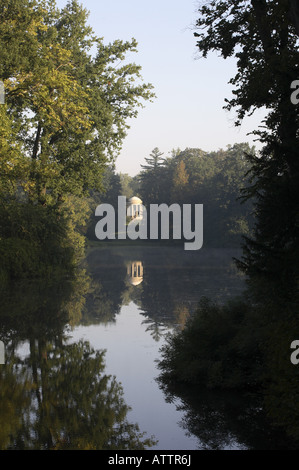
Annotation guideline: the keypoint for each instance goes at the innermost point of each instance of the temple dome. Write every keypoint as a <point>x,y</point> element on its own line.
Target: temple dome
<point>135,200</point>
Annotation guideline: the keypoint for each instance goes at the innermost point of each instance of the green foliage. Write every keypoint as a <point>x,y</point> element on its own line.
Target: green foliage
<point>68,99</point>
<point>262,36</point>
<point>180,182</point>
<point>214,179</point>
<point>78,406</point>
<point>58,396</point>
<point>69,108</point>
<point>14,389</point>
<point>126,185</point>
<point>259,34</point>
<point>111,188</point>
<point>14,168</point>
<point>192,176</point>
<point>249,345</point>
<point>218,348</point>
<point>150,177</point>
<point>82,408</point>
<point>35,242</point>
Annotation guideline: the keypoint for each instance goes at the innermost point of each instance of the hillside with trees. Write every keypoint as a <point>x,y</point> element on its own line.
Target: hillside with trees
<point>192,176</point>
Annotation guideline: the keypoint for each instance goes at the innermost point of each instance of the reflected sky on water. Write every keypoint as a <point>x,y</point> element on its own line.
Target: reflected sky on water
<point>160,284</point>
<point>129,299</point>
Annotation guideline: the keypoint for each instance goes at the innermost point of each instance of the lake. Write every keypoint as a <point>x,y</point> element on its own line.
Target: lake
<point>81,355</point>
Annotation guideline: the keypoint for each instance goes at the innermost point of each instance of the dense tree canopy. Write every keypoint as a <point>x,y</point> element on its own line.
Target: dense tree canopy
<point>246,343</point>
<point>214,179</point>
<point>68,98</point>
<point>68,105</point>
<point>262,36</point>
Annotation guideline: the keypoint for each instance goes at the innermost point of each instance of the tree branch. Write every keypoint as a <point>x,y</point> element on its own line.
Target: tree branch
<point>36,143</point>
<point>260,12</point>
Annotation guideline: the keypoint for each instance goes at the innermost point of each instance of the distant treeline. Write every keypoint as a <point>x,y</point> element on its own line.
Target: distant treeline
<point>192,176</point>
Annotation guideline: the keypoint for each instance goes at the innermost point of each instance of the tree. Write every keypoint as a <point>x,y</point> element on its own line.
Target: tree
<point>257,331</point>
<point>261,36</point>
<point>126,188</point>
<point>70,109</point>
<point>150,177</point>
<point>154,161</point>
<point>180,182</point>
<point>215,180</point>
<point>110,190</point>
<point>63,122</point>
<point>13,167</point>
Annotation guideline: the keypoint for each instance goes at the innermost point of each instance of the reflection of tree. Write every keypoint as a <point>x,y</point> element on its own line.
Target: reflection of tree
<point>156,329</point>
<point>57,397</point>
<point>176,280</point>
<point>66,403</point>
<point>104,299</point>
<point>281,390</point>
<point>77,406</point>
<point>101,306</point>
<point>224,420</point>
<point>181,314</point>
<point>14,400</point>
<point>132,294</point>
<point>169,276</point>
<point>240,348</point>
<point>33,309</point>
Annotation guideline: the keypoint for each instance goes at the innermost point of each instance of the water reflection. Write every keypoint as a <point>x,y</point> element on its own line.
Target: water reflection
<point>56,395</point>
<point>135,272</point>
<point>224,420</point>
<point>64,398</point>
<point>166,283</point>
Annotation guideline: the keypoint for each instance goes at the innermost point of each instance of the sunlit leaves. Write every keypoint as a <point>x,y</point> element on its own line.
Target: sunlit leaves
<point>69,96</point>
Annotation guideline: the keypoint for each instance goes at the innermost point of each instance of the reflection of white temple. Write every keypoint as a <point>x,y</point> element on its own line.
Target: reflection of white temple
<point>135,272</point>
<point>135,208</point>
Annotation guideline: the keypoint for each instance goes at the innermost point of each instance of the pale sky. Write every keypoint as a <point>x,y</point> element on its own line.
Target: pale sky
<point>188,110</point>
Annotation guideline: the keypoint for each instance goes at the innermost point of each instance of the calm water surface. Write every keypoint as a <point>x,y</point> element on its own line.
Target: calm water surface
<point>163,289</point>
<point>81,355</point>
